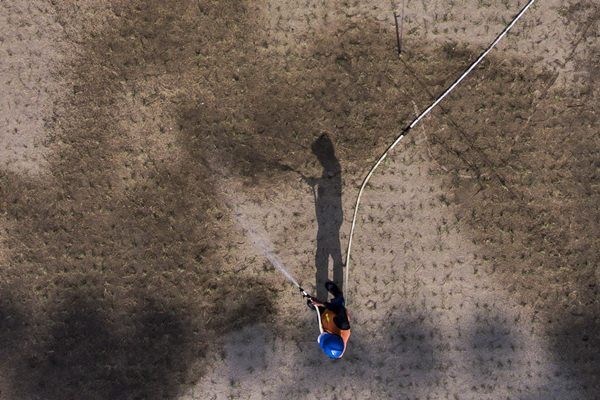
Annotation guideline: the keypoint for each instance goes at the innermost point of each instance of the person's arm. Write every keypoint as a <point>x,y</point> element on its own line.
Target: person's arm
<point>316,302</point>
<point>326,304</point>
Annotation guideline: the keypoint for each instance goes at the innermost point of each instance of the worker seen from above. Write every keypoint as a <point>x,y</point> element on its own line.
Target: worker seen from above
<point>334,323</point>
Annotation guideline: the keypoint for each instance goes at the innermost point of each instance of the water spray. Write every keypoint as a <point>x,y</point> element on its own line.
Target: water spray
<point>251,229</point>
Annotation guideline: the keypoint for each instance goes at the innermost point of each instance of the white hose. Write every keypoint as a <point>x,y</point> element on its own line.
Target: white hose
<point>319,318</point>
<point>412,125</point>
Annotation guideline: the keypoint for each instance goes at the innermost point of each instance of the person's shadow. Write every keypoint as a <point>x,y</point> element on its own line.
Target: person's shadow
<point>327,191</point>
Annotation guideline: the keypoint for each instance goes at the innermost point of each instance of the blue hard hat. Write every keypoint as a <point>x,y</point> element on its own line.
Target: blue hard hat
<point>332,345</point>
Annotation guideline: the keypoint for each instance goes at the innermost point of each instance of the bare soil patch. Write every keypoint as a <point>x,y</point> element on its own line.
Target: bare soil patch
<point>525,175</point>
<point>124,274</point>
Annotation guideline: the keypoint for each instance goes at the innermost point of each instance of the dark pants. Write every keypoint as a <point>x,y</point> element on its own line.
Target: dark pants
<point>337,300</point>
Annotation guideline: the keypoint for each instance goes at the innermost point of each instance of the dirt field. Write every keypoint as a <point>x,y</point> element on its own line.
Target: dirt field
<point>145,145</point>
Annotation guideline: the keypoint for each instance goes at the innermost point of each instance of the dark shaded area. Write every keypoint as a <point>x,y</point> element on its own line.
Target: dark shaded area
<point>491,348</point>
<point>412,344</point>
<point>575,332</point>
<point>112,253</point>
<point>86,355</point>
<point>83,350</point>
<point>327,191</point>
<point>253,105</point>
<point>575,343</point>
<point>470,164</point>
<point>12,325</point>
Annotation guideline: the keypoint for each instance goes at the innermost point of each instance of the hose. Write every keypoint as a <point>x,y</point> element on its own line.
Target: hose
<point>319,318</point>
<point>406,130</point>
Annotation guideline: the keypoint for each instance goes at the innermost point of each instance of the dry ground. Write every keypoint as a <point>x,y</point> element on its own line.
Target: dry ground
<point>133,133</point>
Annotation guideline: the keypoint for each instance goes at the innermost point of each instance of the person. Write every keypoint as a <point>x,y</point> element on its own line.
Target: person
<point>334,320</point>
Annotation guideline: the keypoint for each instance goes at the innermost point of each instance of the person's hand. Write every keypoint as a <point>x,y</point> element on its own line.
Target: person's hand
<point>316,302</point>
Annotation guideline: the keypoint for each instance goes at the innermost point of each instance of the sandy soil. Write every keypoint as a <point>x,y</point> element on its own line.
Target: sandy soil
<point>32,45</point>
<point>141,139</point>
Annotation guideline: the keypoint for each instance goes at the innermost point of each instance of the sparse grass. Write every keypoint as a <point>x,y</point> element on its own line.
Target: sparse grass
<point>527,214</point>
<point>117,280</point>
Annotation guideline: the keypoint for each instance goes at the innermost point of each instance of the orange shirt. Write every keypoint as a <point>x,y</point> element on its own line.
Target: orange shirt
<point>329,326</point>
